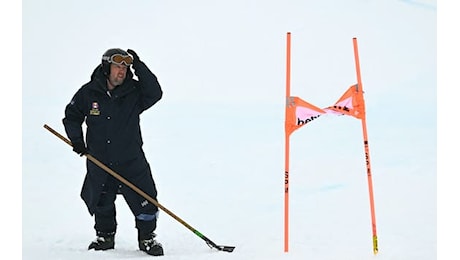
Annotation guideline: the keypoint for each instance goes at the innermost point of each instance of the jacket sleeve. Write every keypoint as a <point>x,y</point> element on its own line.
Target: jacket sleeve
<point>151,91</point>
<point>74,117</point>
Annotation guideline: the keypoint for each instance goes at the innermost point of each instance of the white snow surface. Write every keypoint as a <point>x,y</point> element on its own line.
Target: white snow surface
<point>216,140</point>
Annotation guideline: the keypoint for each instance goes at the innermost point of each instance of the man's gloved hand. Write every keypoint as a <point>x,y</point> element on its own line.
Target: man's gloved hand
<point>80,148</point>
<point>136,59</point>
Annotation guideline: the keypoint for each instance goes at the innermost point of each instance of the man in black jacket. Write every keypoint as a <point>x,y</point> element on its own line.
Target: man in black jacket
<point>110,104</point>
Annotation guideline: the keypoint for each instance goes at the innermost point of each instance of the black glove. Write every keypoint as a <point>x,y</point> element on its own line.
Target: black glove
<point>80,148</point>
<point>136,59</point>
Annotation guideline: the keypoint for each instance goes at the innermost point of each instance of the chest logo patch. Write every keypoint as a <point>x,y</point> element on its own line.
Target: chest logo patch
<point>94,109</point>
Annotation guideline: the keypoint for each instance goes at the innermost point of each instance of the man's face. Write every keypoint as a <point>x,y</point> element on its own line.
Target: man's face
<point>117,74</point>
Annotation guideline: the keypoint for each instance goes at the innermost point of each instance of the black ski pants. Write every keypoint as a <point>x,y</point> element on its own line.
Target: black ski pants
<point>105,213</point>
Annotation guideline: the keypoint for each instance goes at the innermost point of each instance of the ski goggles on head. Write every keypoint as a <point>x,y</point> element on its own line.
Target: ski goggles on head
<point>120,59</point>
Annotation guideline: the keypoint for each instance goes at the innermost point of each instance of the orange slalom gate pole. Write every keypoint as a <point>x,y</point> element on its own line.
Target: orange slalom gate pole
<point>366,151</point>
<point>287,133</point>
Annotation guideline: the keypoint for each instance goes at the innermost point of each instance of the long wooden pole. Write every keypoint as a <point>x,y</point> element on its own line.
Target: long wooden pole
<point>366,150</point>
<point>145,195</point>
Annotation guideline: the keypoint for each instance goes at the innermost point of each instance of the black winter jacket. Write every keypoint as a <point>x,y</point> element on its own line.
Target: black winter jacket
<point>113,134</point>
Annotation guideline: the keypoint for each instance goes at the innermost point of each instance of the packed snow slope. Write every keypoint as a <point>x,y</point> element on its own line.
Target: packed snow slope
<point>216,140</point>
